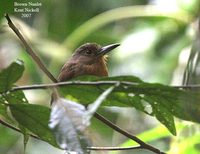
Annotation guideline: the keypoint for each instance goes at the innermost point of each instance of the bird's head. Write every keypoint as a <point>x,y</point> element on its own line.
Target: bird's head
<point>91,53</point>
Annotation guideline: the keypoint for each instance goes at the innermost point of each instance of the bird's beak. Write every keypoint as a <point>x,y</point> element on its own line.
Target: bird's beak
<point>104,50</point>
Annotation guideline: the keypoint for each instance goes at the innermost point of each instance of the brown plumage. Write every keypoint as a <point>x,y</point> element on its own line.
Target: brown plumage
<point>88,59</point>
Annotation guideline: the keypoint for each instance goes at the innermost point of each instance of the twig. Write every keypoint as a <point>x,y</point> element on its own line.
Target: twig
<point>113,148</point>
<point>89,148</point>
<point>29,50</point>
<point>16,129</point>
<point>142,144</point>
<point>62,84</point>
<point>91,83</point>
<point>98,116</point>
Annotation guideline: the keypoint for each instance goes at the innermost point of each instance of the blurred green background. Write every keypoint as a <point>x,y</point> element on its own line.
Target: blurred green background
<point>155,37</point>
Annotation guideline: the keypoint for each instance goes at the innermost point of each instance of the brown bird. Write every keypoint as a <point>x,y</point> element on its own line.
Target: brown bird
<point>88,59</point>
<point>66,118</point>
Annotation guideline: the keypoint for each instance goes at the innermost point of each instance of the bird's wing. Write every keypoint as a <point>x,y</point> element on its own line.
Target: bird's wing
<point>67,72</point>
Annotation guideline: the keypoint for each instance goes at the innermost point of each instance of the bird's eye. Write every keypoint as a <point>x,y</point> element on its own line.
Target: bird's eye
<point>88,52</point>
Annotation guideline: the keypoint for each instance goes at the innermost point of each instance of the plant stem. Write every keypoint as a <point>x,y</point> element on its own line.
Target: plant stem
<point>91,83</point>
<point>89,148</point>
<point>113,148</point>
<point>29,50</point>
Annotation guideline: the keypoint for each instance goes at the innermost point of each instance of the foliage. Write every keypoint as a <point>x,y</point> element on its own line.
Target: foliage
<point>32,117</point>
<point>157,100</point>
<point>10,75</point>
<point>165,34</point>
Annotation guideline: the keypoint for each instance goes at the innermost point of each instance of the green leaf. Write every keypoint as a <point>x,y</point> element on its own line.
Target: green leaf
<point>10,75</point>
<point>18,97</point>
<point>15,97</point>
<point>162,114</point>
<point>35,118</point>
<point>165,102</point>
<point>3,110</point>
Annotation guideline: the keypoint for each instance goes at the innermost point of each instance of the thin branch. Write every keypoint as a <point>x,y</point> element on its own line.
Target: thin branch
<point>29,50</point>
<point>142,144</point>
<point>62,84</point>
<point>16,129</point>
<point>113,148</point>
<point>91,83</point>
<point>89,148</point>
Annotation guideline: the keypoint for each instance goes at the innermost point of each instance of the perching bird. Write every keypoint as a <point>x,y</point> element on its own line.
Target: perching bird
<point>69,119</point>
